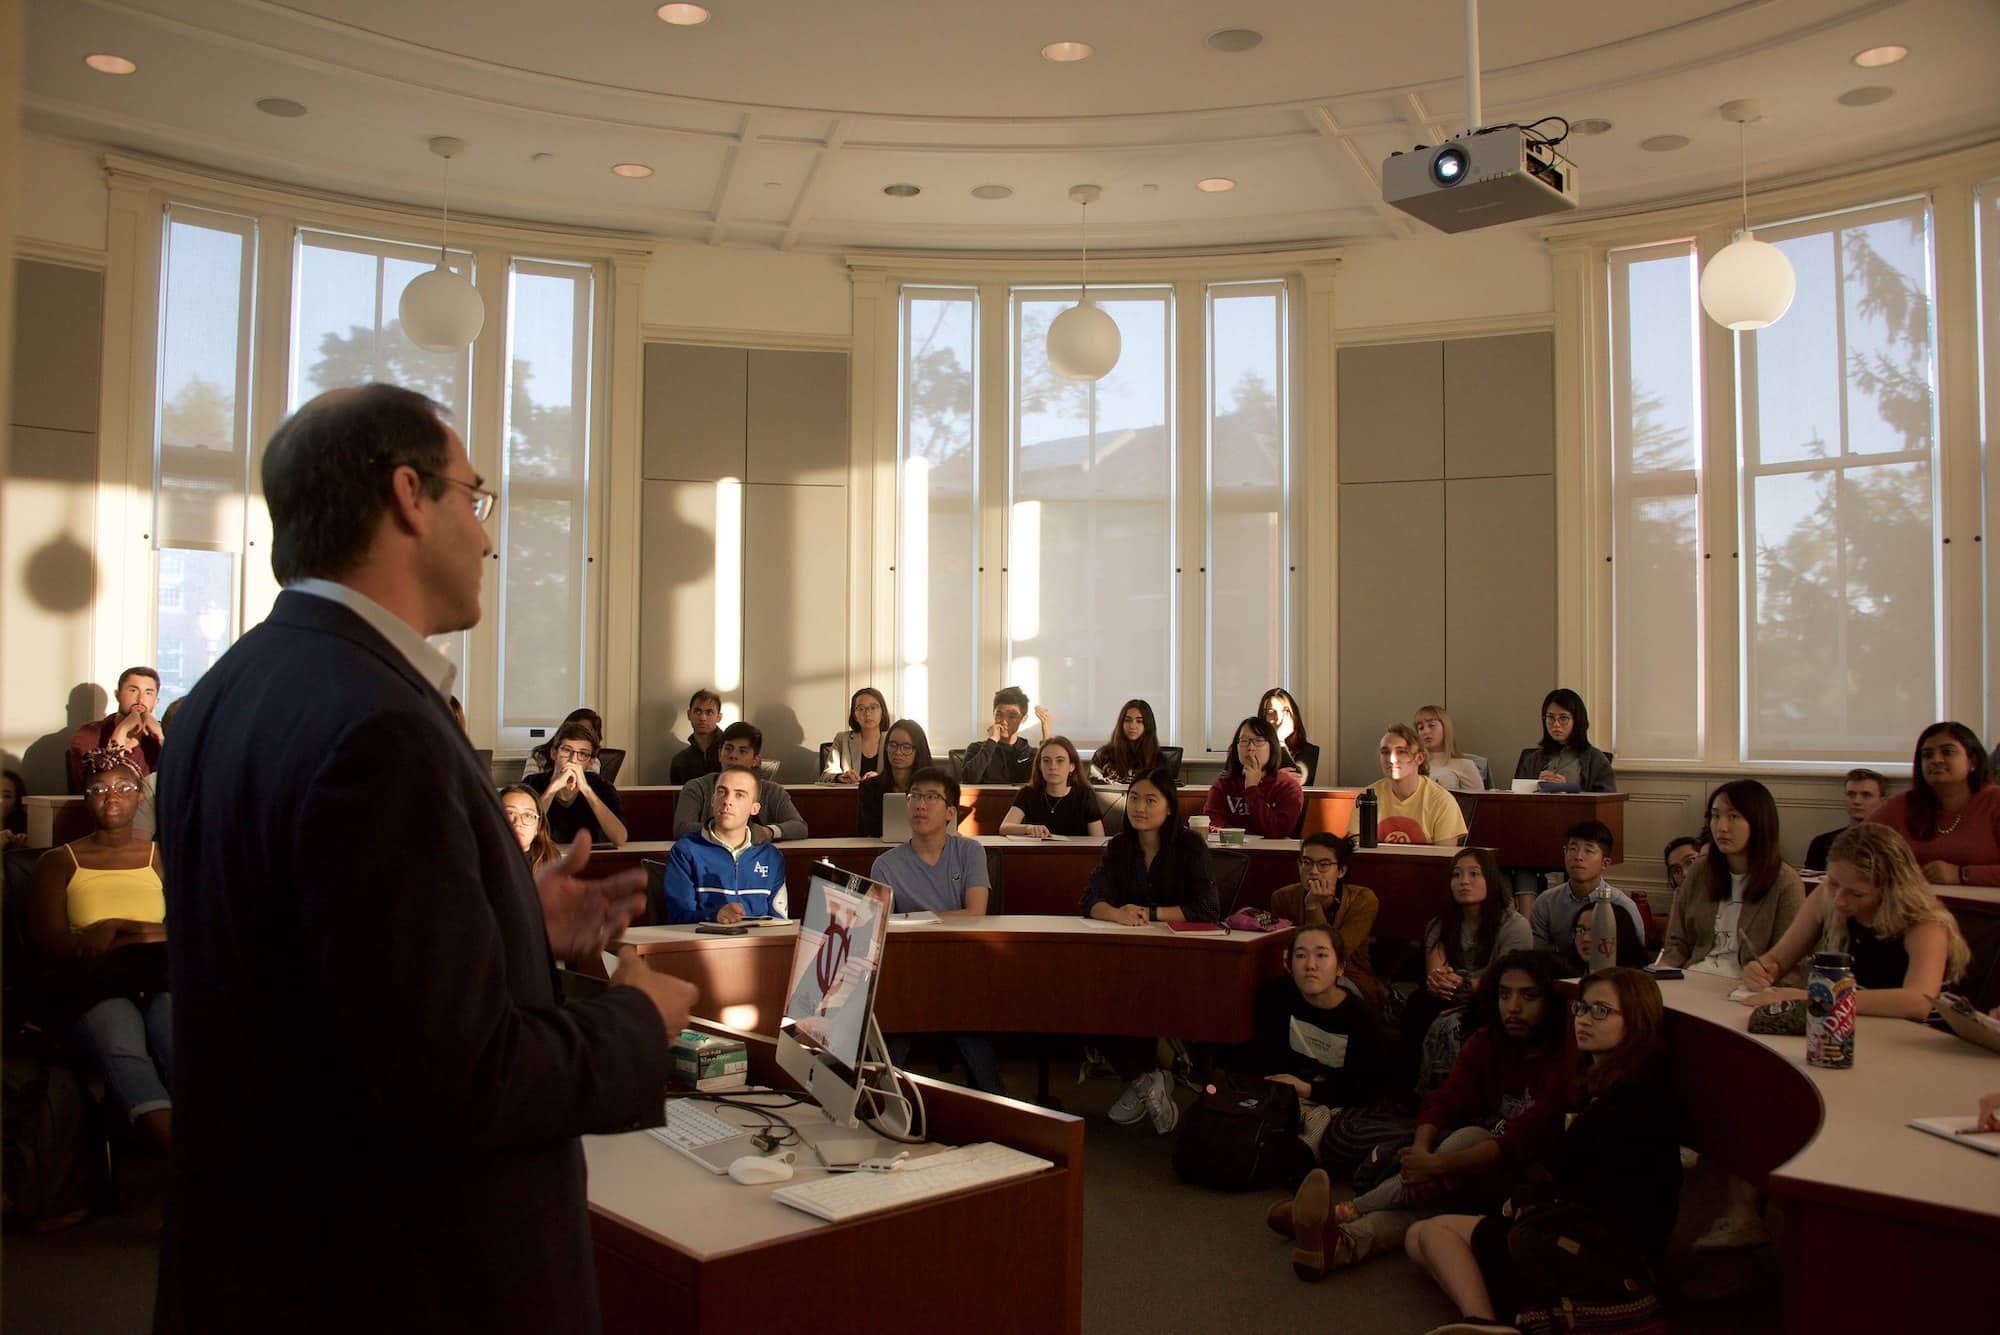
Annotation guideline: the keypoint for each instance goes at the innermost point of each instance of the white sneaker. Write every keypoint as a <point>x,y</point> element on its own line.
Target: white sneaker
<point>1160,1103</point>
<point>1131,1103</point>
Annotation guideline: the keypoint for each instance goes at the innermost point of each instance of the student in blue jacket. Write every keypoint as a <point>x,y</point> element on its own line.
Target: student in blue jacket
<point>717,874</point>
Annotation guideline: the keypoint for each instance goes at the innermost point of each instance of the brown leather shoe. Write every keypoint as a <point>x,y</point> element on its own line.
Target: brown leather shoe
<point>1310,1208</point>
<point>1279,1219</point>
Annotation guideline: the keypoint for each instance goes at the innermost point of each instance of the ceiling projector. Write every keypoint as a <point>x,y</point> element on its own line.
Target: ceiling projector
<point>1498,175</point>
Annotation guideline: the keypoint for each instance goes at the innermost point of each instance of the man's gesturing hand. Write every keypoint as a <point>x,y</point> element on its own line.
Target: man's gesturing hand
<point>672,997</point>
<point>583,916</point>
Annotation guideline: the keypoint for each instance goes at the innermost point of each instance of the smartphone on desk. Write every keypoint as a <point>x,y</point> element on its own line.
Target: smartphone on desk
<point>720,929</point>
<point>1664,971</point>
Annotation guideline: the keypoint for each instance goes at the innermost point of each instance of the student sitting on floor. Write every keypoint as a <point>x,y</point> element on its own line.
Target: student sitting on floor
<point>1459,945</point>
<point>718,873</point>
<point>1603,1220</point>
<point>742,746</point>
<point>1467,1147</point>
<point>940,871</point>
<point>1057,802</point>
<point>1586,849</point>
<point>1875,907</point>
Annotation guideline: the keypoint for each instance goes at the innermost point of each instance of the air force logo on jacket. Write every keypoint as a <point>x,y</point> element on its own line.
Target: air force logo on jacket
<point>702,876</point>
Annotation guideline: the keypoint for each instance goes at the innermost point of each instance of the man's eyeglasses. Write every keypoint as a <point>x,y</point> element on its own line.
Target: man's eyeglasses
<point>1319,866</point>
<point>1596,1010</point>
<point>483,500</point>
<point>925,799</point>
<point>582,755</point>
<point>106,789</point>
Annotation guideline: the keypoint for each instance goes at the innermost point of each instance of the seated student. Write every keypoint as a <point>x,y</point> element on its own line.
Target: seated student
<point>1629,953</point>
<point>1311,1033</point>
<point>1951,813</point>
<point>1409,807</point>
<point>1448,768</point>
<point>1565,754</point>
<point>1553,915</point>
<point>940,871</point>
<point>1459,945</point>
<point>1863,791</point>
<point>858,751</point>
<point>538,759</point>
<point>1322,897</point>
<point>1874,907</point>
<point>703,753</point>
<point>742,746</point>
<point>1297,753</point>
<point>130,728</point>
<point>1004,756</point>
<point>1154,870</point>
<point>1057,801</point>
<point>718,873</point>
<point>1615,1172</point>
<point>907,750</point>
<point>13,810</point>
<point>1469,1146</point>
<point>1133,749</point>
<point>524,818</point>
<point>1254,792</point>
<point>98,912</point>
<point>1680,855</point>
<point>1738,901</point>
<point>573,799</point>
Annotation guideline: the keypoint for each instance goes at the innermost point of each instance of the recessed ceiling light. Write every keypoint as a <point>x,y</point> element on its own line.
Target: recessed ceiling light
<point>682,16</point>
<point>1590,125</point>
<point>1064,52</point>
<point>1664,143</point>
<point>109,64</point>
<point>1215,185</point>
<point>1235,40</point>
<point>992,191</point>
<point>1866,96</point>
<point>902,190</point>
<point>637,171</point>
<point>1877,56</point>
<point>281,106</point>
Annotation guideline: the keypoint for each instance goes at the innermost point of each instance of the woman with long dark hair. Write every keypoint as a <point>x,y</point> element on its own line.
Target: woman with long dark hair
<point>524,818</point>
<point>905,750</point>
<point>1058,801</point>
<point>1281,711</point>
<point>858,751</point>
<point>1737,902</point>
<point>1565,755</point>
<point>1615,1181</point>
<point>1254,792</point>
<point>1951,814</point>
<point>1134,746</point>
<point>1481,925</point>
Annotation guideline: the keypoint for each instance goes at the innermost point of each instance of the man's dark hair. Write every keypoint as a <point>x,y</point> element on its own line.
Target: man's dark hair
<point>1678,842</point>
<point>328,471</point>
<point>1340,846</point>
<point>1011,695</point>
<point>937,774</point>
<point>1540,965</point>
<point>1592,831</point>
<point>704,694</point>
<point>743,732</point>
<point>1866,776</point>
<point>140,672</point>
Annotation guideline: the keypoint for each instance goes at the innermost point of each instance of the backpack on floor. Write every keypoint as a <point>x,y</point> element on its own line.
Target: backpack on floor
<point>1355,1132</point>
<point>1239,1133</point>
<point>43,1144</point>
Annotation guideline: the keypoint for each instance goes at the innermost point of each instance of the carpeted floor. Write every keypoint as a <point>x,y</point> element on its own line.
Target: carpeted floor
<point>1158,1256</point>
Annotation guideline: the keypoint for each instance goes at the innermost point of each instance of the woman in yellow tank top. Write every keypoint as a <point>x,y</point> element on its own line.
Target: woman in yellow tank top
<point>98,912</point>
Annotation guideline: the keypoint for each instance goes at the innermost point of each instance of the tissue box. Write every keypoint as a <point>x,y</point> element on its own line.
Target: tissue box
<point>706,1062</point>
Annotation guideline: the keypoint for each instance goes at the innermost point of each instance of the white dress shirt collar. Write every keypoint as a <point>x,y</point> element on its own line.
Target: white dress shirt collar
<point>429,662</point>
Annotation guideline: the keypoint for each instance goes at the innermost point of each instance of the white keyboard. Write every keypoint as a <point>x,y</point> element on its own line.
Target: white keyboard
<point>841,1196</point>
<point>690,1128</point>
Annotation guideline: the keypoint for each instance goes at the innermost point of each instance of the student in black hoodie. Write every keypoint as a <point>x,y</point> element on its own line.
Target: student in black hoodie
<point>1614,1180</point>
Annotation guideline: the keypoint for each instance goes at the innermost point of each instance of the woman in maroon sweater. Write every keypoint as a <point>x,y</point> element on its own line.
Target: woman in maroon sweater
<point>1255,793</point>
<point>1951,815</point>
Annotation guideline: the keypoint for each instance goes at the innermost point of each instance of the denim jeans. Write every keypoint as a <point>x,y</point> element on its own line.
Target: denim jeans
<point>1388,1210</point>
<point>132,1044</point>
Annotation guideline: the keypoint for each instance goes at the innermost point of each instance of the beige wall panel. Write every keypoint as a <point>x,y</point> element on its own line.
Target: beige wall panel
<point>48,579</point>
<point>1391,412</point>
<point>798,417</point>
<point>795,621</point>
<point>60,324</point>
<point>676,615</point>
<point>694,412</point>
<point>1392,618</point>
<point>1499,602</point>
<point>1499,406</point>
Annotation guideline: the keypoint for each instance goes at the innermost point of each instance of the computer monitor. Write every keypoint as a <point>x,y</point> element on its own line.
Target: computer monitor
<point>828,1040</point>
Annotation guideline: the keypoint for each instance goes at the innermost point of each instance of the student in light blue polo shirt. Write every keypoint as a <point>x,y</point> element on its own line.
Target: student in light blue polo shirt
<point>942,872</point>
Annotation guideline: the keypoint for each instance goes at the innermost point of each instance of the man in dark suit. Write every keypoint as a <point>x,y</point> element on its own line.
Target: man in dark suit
<point>377,1092</point>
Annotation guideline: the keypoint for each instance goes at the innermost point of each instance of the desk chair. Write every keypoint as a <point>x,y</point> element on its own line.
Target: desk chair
<point>996,893</point>
<point>957,756</point>
<point>656,892</point>
<point>1485,770</point>
<point>1228,866</point>
<point>609,758</point>
<point>1170,759</point>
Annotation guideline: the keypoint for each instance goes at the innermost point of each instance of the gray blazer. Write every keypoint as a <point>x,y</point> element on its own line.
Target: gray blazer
<point>1691,925</point>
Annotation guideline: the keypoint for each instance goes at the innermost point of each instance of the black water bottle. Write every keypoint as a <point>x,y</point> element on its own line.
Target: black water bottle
<point>1364,806</point>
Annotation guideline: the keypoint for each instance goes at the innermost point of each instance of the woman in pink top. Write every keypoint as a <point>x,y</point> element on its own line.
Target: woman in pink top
<point>1255,793</point>
<point>1951,815</point>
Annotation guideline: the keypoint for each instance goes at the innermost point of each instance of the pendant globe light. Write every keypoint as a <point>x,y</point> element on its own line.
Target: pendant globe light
<point>440,310</point>
<point>1748,284</point>
<point>1083,340</point>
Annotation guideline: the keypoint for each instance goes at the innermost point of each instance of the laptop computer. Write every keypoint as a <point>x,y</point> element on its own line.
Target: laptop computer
<point>896,817</point>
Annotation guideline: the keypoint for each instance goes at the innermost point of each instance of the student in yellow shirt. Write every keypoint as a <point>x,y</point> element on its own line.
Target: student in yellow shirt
<point>1410,807</point>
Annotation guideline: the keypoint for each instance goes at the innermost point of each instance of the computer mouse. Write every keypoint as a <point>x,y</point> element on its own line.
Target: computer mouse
<point>754,1170</point>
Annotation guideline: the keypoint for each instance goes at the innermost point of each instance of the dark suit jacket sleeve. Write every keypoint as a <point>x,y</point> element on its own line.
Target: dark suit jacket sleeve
<point>406,940</point>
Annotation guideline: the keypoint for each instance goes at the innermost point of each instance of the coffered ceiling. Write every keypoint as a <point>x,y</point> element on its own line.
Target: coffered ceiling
<point>779,122</point>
